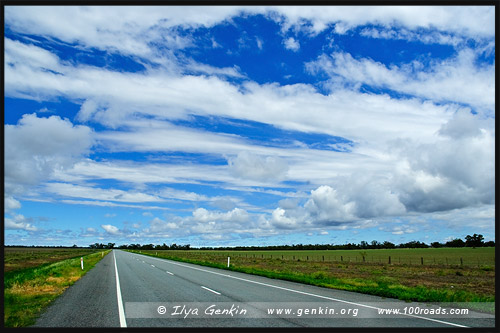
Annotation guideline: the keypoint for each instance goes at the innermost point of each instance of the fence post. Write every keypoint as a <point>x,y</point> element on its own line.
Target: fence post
<point>341,258</point>
<point>461,262</point>
<point>422,260</point>
<point>389,260</point>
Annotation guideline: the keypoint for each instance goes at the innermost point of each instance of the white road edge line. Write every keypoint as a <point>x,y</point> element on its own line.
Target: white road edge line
<point>213,291</point>
<point>304,293</point>
<point>170,273</point>
<point>121,312</point>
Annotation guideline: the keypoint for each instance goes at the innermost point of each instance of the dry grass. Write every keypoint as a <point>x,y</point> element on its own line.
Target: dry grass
<point>18,258</point>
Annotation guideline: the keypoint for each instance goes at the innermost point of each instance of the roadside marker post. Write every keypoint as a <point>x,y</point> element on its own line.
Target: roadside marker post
<point>81,262</point>
<point>228,258</point>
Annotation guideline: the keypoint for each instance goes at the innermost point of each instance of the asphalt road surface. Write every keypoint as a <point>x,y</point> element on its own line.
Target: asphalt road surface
<point>132,290</point>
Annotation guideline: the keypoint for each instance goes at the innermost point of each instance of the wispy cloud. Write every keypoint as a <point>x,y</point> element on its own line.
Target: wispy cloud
<point>141,109</point>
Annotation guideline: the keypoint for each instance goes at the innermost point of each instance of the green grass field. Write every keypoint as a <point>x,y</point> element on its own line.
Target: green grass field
<point>442,278</point>
<point>483,256</point>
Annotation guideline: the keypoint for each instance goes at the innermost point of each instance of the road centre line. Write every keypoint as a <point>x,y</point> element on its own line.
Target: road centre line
<point>302,292</point>
<point>121,312</point>
<point>213,291</point>
<point>170,273</point>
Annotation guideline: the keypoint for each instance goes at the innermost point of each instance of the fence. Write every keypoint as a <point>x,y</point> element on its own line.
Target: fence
<point>396,259</point>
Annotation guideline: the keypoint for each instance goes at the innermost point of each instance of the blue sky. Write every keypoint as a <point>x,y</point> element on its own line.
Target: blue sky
<point>226,125</point>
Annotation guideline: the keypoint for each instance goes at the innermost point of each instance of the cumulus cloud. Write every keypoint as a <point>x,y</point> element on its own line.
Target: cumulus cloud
<point>36,148</point>
<point>19,222</point>
<point>328,205</point>
<point>209,223</point>
<point>111,229</point>
<point>463,124</point>
<point>448,175</point>
<point>11,204</point>
<point>291,44</point>
<point>456,171</point>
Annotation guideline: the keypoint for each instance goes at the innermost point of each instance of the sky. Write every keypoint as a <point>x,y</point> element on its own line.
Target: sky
<point>248,126</point>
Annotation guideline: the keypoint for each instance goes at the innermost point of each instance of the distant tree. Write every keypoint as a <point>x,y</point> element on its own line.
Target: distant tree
<point>388,245</point>
<point>110,245</point>
<point>489,244</point>
<point>364,245</point>
<point>148,247</point>
<point>457,242</point>
<point>474,240</point>
<point>436,244</point>
<point>413,245</point>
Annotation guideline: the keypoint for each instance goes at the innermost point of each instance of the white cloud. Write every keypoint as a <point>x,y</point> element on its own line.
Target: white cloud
<point>291,44</point>
<point>11,204</point>
<point>254,167</point>
<point>19,222</point>
<point>36,148</point>
<point>135,31</point>
<point>110,204</point>
<point>327,205</point>
<point>117,28</point>
<point>428,37</point>
<point>117,99</point>
<point>112,230</point>
<point>472,21</point>
<point>203,222</point>
<point>458,79</point>
<point>408,154</point>
<point>95,193</point>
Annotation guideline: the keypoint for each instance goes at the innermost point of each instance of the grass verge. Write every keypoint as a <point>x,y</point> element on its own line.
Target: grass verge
<point>29,291</point>
<point>428,284</point>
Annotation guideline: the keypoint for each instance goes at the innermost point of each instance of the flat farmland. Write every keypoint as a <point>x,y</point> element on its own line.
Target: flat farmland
<point>446,275</point>
<point>483,256</point>
<point>18,258</point>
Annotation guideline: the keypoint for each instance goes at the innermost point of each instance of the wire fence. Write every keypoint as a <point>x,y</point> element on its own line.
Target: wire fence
<point>483,261</point>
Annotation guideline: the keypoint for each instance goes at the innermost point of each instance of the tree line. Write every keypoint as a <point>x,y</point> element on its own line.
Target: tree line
<point>476,240</point>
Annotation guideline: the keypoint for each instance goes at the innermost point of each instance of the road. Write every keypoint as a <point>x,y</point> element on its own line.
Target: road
<point>133,290</point>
